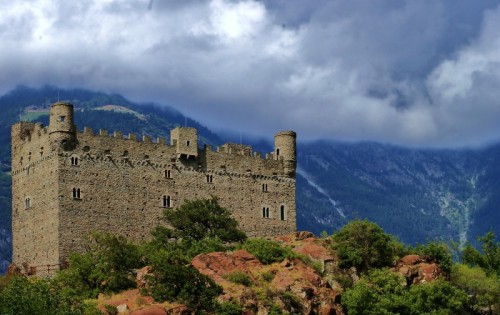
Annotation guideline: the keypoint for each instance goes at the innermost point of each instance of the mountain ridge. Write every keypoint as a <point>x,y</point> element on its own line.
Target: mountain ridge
<point>416,194</point>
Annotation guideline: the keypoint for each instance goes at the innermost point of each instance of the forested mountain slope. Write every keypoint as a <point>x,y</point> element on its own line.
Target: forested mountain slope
<point>418,195</point>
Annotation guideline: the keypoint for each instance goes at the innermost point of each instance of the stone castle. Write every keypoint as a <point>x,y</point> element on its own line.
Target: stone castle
<point>67,183</point>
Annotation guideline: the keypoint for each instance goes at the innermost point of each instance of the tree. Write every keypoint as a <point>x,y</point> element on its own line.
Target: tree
<point>106,266</point>
<point>201,218</point>
<point>175,279</point>
<point>489,259</point>
<point>382,291</point>
<point>364,245</point>
<point>483,290</point>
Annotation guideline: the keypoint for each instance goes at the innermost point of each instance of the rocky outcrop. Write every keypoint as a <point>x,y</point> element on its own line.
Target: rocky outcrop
<point>292,284</point>
<point>418,269</point>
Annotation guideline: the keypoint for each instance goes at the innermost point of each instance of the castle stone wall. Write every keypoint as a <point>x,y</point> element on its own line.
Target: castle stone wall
<point>121,184</point>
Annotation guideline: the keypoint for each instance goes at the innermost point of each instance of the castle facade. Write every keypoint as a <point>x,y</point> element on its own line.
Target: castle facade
<point>67,183</point>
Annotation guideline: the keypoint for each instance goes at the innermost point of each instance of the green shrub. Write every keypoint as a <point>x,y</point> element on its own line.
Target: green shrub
<point>267,251</point>
<point>229,308</point>
<point>239,278</point>
<point>106,266</point>
<point>110,309</point>
<point>174,279</point>
<point>364,245</point>
<point>267,276</point>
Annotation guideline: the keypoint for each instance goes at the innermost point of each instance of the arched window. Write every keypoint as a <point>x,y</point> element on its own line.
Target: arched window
<point>210,179</point>
<point>264,187</point>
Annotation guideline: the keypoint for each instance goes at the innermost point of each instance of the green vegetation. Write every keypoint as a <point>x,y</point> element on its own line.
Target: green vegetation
<point>364,245</point>
<point>267,251</point>
<point>108,264</point>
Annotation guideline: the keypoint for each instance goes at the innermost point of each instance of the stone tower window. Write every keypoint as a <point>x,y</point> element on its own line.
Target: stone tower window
<point>188,143</point>
<point>265,212</point>
<point>282,213</point>
<point>277,152</point>
<point>167,202</point>
<point>210,179</point>
<point>75,161</point>
<point>168,174</point>
<point>27,203</point>
<point>62,118</point>
<point>76,193</point>
<point>264,187</point>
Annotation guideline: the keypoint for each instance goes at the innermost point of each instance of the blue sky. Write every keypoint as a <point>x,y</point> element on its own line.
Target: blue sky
<point>416,73</point>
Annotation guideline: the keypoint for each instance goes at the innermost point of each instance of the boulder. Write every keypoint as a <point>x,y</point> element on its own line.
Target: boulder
<point>418,269</point>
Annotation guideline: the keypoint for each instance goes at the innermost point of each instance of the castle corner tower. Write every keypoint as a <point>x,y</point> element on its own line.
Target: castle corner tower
<point>285,148</point>
<point>62,130</point>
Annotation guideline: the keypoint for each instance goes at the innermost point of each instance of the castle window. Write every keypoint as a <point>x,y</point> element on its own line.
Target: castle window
<point>188,143</point>
<point>74,161</point>
<point>210,179</point>
<point>62,118</point>
<point>168,174</point>
<point>264,187</point>
<point>76,193</point>
<point>277,152</point>
<point>167,202</point>
<point>265,212</point>
<point>27,203</point>
<point>282,213</point>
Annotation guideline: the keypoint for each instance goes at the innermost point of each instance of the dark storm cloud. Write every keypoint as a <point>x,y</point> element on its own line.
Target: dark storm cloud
<point>421,73</point>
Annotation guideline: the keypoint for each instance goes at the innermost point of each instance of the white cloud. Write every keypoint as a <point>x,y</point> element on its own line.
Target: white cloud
<point>410,72</point>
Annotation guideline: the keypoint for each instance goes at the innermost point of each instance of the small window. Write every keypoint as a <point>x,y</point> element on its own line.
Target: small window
<point>74,161</point>
<point>76,193</point>
<point>167,202</point>
<point>188,143</point>
<point>264,187</point>
<point>62,118</point>
<point>168,174</point>
<point>265,212</point>
<point>27,203</point>
<point>282,213</point>
<point>277,152</point>
<point>210,179</point>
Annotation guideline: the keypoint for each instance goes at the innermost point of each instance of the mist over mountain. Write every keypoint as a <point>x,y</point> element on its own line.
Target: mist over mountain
<point>416,194</point>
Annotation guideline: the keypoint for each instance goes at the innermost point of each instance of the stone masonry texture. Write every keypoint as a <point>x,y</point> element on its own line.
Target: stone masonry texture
<point>66,184</point>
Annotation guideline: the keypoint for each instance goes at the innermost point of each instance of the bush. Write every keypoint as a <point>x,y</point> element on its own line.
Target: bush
<point>364,245</point>
<point>37,296</point>
<point>229,308</point>
<point>268,252</point>
<point>239,278</point>
<point>483,290</point>
<point>106,266</point>
<point>174,279</point>
<point>385,292</point>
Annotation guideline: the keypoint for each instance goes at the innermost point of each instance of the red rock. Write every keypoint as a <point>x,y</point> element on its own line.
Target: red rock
<point>140,278</point>
<point>417,269</point>
<point>152,310</point>
<point>218,264</point>
<point>13,269</point>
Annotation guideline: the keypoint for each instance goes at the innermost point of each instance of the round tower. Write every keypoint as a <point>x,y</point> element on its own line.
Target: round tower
<point>62,129</point>
<point>285,149</point>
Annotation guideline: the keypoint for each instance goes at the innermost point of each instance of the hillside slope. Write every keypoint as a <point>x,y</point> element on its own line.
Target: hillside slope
<point>417,195</point>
